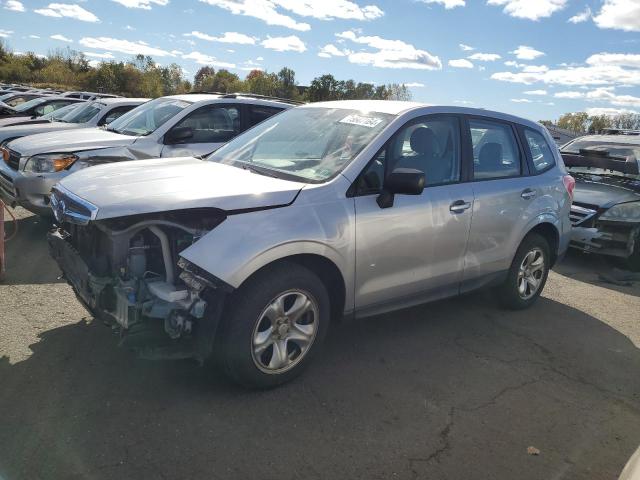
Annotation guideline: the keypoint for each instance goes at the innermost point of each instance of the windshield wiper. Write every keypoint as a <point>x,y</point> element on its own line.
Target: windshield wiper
<point>259,171</point>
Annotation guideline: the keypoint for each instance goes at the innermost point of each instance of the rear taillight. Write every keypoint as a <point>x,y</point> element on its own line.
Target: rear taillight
<point>569,184</point>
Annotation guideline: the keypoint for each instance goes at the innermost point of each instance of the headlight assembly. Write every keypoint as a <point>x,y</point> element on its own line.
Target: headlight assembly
<point>623,212</point>
<point>49,162</point>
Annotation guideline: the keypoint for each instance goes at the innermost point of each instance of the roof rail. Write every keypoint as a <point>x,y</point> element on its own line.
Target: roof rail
<point>619,131</point>
<point>203,92</point>
<point>262,97</point>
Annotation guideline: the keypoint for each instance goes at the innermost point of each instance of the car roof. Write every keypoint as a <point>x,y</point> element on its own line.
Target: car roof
<point>627,139</point>
<point>117,100</point>
<point>232,98</point>
<point>395,107</point>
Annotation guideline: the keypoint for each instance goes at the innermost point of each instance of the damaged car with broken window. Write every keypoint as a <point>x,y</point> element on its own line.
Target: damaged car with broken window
<point>325,210</point>
<point>606,207</point>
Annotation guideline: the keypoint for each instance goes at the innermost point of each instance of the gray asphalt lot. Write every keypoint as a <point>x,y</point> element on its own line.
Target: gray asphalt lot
<point>458,389</point>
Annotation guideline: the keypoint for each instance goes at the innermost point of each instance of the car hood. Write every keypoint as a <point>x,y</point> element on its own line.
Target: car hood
<point>13,119</point>
<point>603,191</point>
<point>25,129</point>
<point>76,140</point>
<point>149,186</point>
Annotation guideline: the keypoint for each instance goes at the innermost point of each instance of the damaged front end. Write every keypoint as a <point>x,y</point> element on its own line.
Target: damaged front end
<point>128,272</point>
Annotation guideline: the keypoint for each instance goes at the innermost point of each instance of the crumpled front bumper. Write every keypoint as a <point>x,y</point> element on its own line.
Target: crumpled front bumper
<point>617,239</point>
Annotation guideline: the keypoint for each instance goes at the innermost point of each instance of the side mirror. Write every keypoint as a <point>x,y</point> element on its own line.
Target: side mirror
<point>178,135</point>
<point>401,181</point>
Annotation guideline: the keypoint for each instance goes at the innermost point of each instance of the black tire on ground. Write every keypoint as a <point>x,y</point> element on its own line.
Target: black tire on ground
<point>245,307</point>
<point>508,292</point>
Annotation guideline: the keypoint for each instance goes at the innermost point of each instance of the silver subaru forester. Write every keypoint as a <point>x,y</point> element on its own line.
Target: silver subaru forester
<point>324,210</point>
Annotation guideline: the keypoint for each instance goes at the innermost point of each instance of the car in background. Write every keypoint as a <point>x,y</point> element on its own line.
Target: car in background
<point>328,209</point>
<point>606,207</point>
<point>88,114</point>
<point>88,95</point>
<point>190,124</point>
<point>48,117</point>
<point>14,99</point>
<point>35,108</point>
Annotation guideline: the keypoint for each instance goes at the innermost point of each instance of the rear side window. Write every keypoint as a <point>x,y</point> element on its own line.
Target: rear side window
<point>495,150</point>
<point>258,113</point>
<point>541,153</point>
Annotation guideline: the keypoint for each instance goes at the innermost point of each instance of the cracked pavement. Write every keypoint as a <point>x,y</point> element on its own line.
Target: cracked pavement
<point>452,390</point>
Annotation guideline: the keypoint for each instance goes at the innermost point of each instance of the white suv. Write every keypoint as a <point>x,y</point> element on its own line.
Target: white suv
<point>173,126</point>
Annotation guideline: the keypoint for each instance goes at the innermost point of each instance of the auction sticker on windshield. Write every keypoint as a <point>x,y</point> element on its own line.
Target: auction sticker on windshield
<point>369,122</point>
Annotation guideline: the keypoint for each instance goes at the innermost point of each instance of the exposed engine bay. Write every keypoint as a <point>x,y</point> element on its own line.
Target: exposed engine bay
<point>128,273</point>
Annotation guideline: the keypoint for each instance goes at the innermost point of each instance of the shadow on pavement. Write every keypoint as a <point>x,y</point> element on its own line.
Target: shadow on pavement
<point>453,390</point>
<point>27,255</point>
<point>600,271</point>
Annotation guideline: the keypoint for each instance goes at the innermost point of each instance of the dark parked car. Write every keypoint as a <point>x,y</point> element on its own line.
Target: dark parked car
<point>36,107</point>
<point>606,207</point>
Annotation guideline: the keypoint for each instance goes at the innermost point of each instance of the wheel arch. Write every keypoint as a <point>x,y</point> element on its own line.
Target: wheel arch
<point>549,231</point>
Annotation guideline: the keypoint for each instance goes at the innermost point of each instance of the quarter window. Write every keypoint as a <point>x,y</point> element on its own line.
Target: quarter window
<point>258,113</point>
<point>495,150</point>
<point>541,153</point>
<point>429,144</point>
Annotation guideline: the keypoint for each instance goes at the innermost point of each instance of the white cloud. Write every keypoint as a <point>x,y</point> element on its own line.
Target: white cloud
<point>582,16</point>
<point>144,4</point>
<point>448,4</point>
<point>268,10</point>
<point>521,100</point>
<point>106,55</point>
<point>530,9</point>
<point>609,112</point>
<point>5,33</point>
<point>466,48</point>
<point>390,53</point>
<point>415,85</point>
<point>618,59</point>
<point>606,94</point>
<point>14,6</point>
<point>123,46</point>
<point>227,37</point>
<point>463,102</point>
<point>66,10</point>
<point>485,57</point>
<point>569,94</point>
<point>284,44</point>
<point>61,38</point>
<point>460,63</point>
<point>576,76</point>
<point>534,68</point>
<point>527,53</point>
<point>535,92</point>
<point>331,50</point>
<point>204,59</point>
<point>619,14</point>
<point>34,36</point>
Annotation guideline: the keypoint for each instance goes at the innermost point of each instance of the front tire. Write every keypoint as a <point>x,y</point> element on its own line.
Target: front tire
<point>274,326</point>
<point>528,273</point>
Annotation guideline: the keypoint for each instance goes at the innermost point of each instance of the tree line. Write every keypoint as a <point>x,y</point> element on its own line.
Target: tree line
<point>582,122</point>
<point>68,69</point>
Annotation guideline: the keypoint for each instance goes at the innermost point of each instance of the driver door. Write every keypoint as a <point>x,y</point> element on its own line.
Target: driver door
<point>211,127</point>
<point>413,251</point>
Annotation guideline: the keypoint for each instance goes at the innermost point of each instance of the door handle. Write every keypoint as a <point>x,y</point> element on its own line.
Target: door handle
<point>459,206</point>
<point>528,194</point>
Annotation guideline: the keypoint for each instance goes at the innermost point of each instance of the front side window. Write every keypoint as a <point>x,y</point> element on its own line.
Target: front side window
<point>212,124</point>
<point>147,118</point>
<point>495,150</point>
<point>429,144</point>
<point>541,153</point>
<point>23,107</point>
<point>114,114</point>
<point>307,143</point>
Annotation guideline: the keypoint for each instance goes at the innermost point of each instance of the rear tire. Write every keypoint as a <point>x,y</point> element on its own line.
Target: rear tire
<point>528,273</point>
<point>274,326</point>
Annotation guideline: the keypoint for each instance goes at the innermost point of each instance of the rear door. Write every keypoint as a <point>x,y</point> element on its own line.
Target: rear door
<point>502,190</point>
<point>211,126</point>
<point>413,251</point>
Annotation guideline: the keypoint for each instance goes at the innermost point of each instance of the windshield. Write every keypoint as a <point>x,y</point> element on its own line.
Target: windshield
<point>148,117</point>
<point>56,115</point>
<point>23,107</point>
<point>84,113</point>
<point>313,144</point>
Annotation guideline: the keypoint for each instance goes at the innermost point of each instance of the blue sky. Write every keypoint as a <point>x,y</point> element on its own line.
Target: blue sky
<point>535,58</point>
